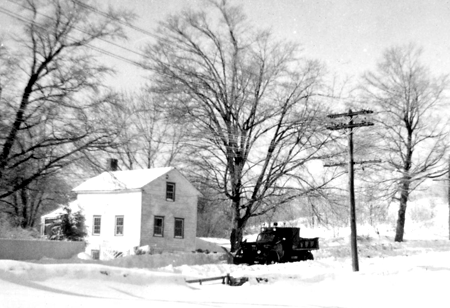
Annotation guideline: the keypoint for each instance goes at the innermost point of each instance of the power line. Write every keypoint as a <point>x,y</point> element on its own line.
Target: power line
<point>94,9</point>
<point>83,31</point>
<point>100,50</point>
<point>105,52</point>
<point>355,163</point>
<point>349,114</point>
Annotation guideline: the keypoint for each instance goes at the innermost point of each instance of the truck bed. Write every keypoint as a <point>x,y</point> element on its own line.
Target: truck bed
<point>306,244</point>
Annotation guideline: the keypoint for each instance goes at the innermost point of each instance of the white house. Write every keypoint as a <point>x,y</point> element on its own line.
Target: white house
<point>127,209</point>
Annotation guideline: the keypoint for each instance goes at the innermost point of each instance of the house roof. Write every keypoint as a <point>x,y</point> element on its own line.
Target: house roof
<point>122,180</point>
<point>74,206</point>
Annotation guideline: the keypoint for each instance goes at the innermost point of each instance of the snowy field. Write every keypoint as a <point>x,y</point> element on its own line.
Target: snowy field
<point>414,273</point>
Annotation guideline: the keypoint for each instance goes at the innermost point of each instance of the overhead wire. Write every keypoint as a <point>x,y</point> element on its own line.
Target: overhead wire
<point>127,24</point>
<point>100,12</point>
<point>98,49</point>
<point>83,31</point>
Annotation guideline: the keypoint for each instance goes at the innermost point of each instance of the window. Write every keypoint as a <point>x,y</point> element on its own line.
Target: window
<point>95,254</point>
<point>179,228</point>
<point>119,226</point>
<point>170,191</point>
<point>97,225</point>
<point>158,226</point>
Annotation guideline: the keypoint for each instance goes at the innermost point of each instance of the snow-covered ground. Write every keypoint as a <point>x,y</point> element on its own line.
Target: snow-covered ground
<point>414,273</point>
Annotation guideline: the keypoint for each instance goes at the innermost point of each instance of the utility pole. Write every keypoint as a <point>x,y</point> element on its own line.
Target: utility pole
<point>351,183</point>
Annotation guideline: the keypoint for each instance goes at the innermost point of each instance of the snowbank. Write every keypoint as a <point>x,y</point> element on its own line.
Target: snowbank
<point>410,274</point>
<point>165,259</point>
<point>211,244</point>
<point>42,272</point>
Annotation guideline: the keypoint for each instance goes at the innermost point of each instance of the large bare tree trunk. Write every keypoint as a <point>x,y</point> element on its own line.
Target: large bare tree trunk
<point>405,186</point>
<point>237,234</point>
<point>400,230</point>
<point>238,226</point>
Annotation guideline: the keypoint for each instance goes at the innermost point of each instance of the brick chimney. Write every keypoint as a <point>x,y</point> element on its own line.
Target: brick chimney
<point>112,164</point>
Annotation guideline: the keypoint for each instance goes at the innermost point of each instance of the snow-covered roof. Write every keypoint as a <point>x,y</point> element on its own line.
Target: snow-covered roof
<point>122,180</point>
<point>74,206</point>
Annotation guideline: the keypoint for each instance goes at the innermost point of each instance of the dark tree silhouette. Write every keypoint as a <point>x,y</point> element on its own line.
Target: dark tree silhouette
<point>53,102</point>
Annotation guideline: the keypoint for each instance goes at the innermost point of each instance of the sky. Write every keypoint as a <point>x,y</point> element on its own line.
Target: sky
<point>347,35</point>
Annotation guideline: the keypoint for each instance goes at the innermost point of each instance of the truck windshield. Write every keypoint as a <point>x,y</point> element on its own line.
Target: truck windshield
<point>265,237</point>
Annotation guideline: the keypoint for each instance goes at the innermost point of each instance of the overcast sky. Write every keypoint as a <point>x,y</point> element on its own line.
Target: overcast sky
<point>348,35</point>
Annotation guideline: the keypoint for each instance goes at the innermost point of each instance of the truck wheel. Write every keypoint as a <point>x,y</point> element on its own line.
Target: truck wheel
<point>309,256</point>
<point>238,258</point>
<point>273,258</point>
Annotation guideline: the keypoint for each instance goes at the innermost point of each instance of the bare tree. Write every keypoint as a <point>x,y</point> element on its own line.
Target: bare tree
<point>146,138</point>
<point>54,106</point>
<point>412,133</point>
<point>213,213</point>
<point>249,103</point>
<point>27,204</point>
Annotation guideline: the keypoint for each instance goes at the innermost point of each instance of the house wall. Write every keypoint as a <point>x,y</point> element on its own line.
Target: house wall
<point>154,203</point>
<point>109,205</point>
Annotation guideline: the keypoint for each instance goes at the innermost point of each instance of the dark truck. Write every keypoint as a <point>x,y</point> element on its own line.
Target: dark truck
<point>276,244</point>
